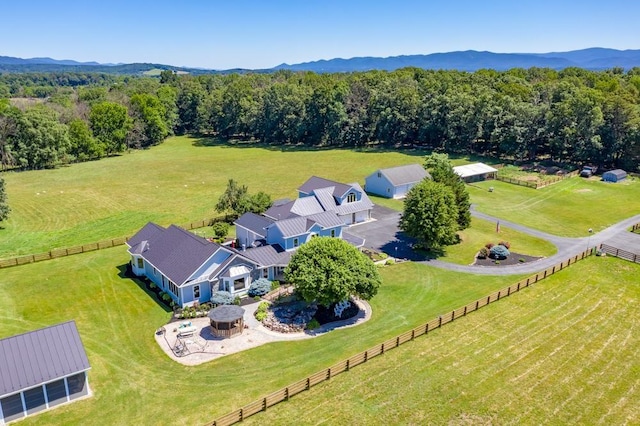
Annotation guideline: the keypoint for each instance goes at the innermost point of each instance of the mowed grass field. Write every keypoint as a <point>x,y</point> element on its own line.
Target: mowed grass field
<point>178,182</point>
<point>565,351</point>
<point>568,208</point>
<point>136,383</point>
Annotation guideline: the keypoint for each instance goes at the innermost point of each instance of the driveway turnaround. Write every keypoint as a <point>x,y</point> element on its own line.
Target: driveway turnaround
<point>383,234</point>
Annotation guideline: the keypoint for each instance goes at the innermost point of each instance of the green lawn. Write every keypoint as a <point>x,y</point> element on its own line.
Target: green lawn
<point>565,351</point>
<point>178,182</point>
<point>480,233</point>
<point>568,208</point>
<point>133,380</point>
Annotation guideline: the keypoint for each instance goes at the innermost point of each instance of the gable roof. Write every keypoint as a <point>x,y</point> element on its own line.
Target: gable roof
<point>403,175</point>
<point>361,205</point>
<point>315,182</point>
<point>619,173</point>
<point>474,169</point>
<point>40,356</point>
<point>294,226</point>
<point>326,219</point>
<point>271,255</point>
<point>254,222</point>
<point>149,231</point>
<point>177,253</point>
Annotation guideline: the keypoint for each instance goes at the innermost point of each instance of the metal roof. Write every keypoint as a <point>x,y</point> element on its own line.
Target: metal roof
<point>325,197</point>
<point>254,222</point>
<point>40,356</point>
<point>315,182</point>
<point>475,169</point>
<point>177,253</point>
<point>357,206</point>
<point>402,175</point>
<point>293,226</point>
<point>326,219</point>
<point>306,206</point>
<point>271,255</point>
<point>280,211</point>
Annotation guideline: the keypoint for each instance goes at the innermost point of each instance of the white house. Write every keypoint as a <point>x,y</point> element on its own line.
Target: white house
<point>395,182</point>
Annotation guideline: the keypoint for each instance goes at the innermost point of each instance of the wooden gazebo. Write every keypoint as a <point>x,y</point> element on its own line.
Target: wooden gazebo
<point>226,320</point>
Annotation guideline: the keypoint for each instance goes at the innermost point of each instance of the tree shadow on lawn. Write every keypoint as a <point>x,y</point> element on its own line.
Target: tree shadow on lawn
<point>126,274</point>
<point>212,141</point>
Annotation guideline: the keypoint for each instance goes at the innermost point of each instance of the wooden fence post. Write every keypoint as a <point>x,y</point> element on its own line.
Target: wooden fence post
<point>413,334</point>
<point>477,304</point>
<point>347,365</point>
<point>426,328</point>
<point>308,383</point>
<point>498,295</point>
<point>440,321</point>
<point>286,392</point>
<point>453,315</point>
<point>366,355</point>
<point>465,311</point>
<point>382,349</point>
<point>328,373</point>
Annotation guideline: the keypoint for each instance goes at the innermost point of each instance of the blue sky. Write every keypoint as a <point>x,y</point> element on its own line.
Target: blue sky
<point>221,34</point>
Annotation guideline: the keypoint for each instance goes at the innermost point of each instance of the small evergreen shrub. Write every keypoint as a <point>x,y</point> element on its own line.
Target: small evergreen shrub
<point>153,286</point>
<point>506,244</point>
<point>489,246</point>
<point>483,253</point>
<point>521,260</point>
<point>260,316</point>
<point>237,301</point>
<point>389,262</point>
<point>275,284</point>
<point>259,287</point>
<point>313,324</point>
<point>220,229</point>
<point>221,298</point>
<point>261,312</point>
<point>499,252</point>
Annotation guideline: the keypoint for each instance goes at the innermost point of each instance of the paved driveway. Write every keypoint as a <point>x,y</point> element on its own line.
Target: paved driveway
<point>382,234</point>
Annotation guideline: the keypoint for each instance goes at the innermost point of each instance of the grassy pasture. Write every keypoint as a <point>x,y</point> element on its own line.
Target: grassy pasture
<point>565,351</point>
<point>178,182</point>
<point>568,208</point>
<point>135,383</point>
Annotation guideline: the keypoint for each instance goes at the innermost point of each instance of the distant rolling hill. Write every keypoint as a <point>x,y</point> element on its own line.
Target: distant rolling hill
<point>470,60</point>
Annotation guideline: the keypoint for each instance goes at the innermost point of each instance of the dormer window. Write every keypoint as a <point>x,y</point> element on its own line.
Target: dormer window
<point>351,198</point>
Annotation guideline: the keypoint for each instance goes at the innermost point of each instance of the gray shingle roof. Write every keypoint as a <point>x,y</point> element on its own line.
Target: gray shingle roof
<point>403,175</point>
<point>149,231</point>
<point>272,255</point>
<point>280,211</point>
<point>39,356</point>
<point>254,222</point>
<point>315,182</point>
<point>177,253</point>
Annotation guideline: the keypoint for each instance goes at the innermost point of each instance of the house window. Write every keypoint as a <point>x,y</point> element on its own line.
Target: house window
<point>140,263</point>
<point>238,284</point>
<point>295,242</point>
<point>379,174</point>
<point>173,288</point>
<point>155,271</point>
<point>351,198</point>
<point>196,292</point>
<point>265,273</point>
<point>333,232</point>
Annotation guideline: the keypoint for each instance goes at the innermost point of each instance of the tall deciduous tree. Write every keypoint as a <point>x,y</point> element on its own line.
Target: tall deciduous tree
<point>110,124</point>
<point>441,171</point>
<point>430,215</point>
<point>4,207</point>
<point>329,270</point>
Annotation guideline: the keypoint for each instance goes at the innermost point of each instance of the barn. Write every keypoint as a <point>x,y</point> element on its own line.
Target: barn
<point>614,175</point>
<point>395,182</point>
<point>40,370</point>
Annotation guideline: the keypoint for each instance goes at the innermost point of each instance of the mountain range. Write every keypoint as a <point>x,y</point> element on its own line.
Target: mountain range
<point>592,58</point>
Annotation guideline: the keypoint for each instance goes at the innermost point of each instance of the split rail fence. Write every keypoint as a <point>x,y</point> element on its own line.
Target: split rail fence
<point>622,254</point>
<point>343,366</point>
<point>62,252</point>
<point>539,184</point>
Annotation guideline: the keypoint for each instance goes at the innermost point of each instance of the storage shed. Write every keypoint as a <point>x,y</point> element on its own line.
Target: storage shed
<point>40,370</point>
<point>395,182</point>
<point>614,175</point>
<point>475,172</point>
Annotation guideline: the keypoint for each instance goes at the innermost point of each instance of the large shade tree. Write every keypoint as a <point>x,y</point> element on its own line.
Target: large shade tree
<point>329,270</point>
<point>441,171</point>
<point>430,215</point>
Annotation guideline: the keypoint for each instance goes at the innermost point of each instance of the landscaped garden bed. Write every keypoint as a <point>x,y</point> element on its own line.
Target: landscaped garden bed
<point>533,175</point>
<point>291,314</point>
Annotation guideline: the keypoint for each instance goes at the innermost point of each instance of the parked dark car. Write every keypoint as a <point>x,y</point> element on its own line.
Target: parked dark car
<point>588,171</point>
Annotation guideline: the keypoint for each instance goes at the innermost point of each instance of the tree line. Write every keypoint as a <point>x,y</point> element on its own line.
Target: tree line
<point>569,116</point>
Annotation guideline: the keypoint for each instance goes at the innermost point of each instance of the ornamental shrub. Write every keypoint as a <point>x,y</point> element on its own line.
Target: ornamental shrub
<point>221,298</point>
<point>483,253</point>
<point>499,252</point>
<point>313,324</point>
<point>506,244</point>
<point>220,229</point>
<point>275,284</point>
<point>259,287</point>
<point>489,246</point>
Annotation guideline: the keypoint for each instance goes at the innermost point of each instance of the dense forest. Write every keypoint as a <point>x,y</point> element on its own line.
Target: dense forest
<point>569,116</point>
